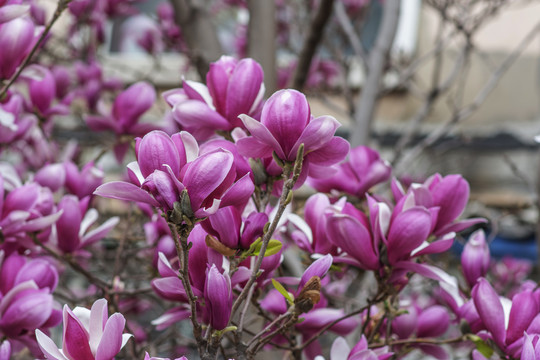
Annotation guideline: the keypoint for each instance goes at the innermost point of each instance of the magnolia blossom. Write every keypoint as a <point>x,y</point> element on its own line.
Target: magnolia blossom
<point>166,166</point>
<point>233,88</point>
<point>475,257</point>
<point>26,301</point>
<point>88,334</point>
<point>286,123</point>
<point>17,37</point>
<point>123,118</point>
<point>506,320</point>
<point>218,297</point>
<point>363,170</point>
<point>72,227</point>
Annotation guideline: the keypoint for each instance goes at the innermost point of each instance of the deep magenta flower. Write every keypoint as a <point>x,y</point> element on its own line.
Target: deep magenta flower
<point>475,257</point>
<point>233,88</point>
<point>311,235</point>
<point>363,170</point>
<point>505,320</point>
<point>286,123</point>
<point>88,335</point>
<point>26,301</point>
<point>84,182</point>
<point>167,165</point>
<point>15,123</point>
<point>17,37</point>
<point>72,227</point>
<point>218,297</point>
<point>446,198</point>
<point>127,109</point>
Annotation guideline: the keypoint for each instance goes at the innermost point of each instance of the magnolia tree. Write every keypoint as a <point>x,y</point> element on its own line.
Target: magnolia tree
<point>214,255</point>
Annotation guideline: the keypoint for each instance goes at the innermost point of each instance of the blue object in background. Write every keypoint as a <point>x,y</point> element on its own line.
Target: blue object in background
<point>499,247</point>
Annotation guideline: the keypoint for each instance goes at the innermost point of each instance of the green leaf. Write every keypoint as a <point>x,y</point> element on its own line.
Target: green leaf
<point>482,347</point>
<point>287,295</point>
<point>274,246</point>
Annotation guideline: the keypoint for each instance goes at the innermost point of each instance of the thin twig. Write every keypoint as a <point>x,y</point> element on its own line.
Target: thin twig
<point>467,111</point>
<point>313,38</point>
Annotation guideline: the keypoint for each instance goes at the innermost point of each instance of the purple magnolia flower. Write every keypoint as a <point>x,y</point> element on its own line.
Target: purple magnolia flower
<point>311,235</point>
<point>232,231</point>
<point>446,198</point>
<point>72,227</point>
<point>233,88</point>
<point>15,123</point>
<point>52,176</point>
<point>82,183</point>
<point>166,166</point>
<point>531,348</point>
<point>26,208</point>
<point>506,320</point>
<point>286,123</point>
<point>91,84</point>
<point>432,321</point>
<point>26,301</point>
<point>218,297</point>
<point>88,334</point>
<point>17,37</point>
<point>42,91</point>
<point>363,170</point>
<point>475,257</point>
<point>128,107</point>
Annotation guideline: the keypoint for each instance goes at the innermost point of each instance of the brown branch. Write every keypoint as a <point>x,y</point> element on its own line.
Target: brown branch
<point>377,59</point>
<point>313,38</point>
<point>199,33</point>
<point>463,113</point>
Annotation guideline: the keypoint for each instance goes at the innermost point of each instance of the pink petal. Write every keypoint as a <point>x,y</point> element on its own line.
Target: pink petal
<point>193,114</point>
<point>349,234</point>
<point>205,174</point>
<point>111,342</point>
<point>48,347</point>
<point>408,230</point>
<point>75,338</point>
<point>524,309</point>
<point>331,153</point>
<point>286,114</point>
<point>243,88</point>
<point>125,191</point>
<point>490,310</point>
<point>262,134</point>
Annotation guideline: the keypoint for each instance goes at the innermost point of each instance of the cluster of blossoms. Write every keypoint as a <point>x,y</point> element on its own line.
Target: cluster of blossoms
<point>212,187</point>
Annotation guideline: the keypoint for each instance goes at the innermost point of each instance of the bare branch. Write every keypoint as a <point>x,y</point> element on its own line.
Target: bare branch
<point>363,114</point>
<point>311,43</point>
<point>463,113</point>
<point>199,32</point>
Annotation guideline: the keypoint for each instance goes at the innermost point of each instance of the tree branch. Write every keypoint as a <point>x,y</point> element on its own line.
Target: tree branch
<point>378,57</point>
<point>199,32</point>
<point>311,43</point>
